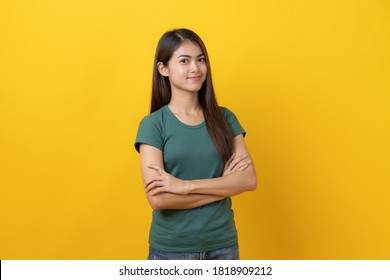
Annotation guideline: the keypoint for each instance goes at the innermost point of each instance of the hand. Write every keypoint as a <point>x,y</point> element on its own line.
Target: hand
<point>236,163</point>
<point>165,182</point>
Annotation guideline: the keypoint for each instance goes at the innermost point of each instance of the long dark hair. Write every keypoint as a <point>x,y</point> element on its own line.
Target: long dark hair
<point>218,128</point>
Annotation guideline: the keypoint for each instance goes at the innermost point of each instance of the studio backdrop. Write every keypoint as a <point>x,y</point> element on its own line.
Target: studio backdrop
<point>308,80</point>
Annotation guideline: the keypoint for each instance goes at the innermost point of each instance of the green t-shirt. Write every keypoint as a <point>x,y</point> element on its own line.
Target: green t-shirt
<point>189,154</point>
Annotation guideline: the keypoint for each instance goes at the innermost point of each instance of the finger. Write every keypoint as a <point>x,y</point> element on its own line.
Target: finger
<point>229,161</point>
<point>156,168</point>
<point>240,165</point>
<point>238,160</point>
<point>244,166</point>
<point>158,190</point>
<point>233,162</point>
<point>154,179</point>
<point>154,186</point>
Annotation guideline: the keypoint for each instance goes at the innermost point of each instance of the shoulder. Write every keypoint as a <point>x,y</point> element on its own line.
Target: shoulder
<point>154,118</point>
<point>228,114</point>
<point>153,123</point>
<point>151,130</point>
<point>232,121</point>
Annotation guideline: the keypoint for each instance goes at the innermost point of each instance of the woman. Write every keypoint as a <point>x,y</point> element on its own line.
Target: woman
<point>193,156</point>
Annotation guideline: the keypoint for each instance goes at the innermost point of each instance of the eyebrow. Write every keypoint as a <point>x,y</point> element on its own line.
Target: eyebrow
<point>188,56</point>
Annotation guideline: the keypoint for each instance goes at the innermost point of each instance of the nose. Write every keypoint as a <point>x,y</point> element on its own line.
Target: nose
<point>194,67</point>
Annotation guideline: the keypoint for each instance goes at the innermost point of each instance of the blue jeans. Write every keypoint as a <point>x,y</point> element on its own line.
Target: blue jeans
<point>227,253</point>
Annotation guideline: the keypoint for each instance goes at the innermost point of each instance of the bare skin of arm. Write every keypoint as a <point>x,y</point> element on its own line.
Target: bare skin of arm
<point>239,176</point>
<point>152,155</point>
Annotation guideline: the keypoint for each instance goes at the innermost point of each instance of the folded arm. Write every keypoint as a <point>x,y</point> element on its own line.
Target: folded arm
<point>230,184</point>
<point>152,155</point>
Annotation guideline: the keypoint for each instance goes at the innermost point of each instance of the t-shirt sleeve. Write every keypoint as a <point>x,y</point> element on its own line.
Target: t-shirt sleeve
<point>149,132</point>
<point>233,121</point>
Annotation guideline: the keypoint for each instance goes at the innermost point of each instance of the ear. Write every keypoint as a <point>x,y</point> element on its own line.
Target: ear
<point>164,71</point>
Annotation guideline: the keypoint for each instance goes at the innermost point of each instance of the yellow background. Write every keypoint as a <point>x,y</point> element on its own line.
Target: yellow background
<point>309,81</point>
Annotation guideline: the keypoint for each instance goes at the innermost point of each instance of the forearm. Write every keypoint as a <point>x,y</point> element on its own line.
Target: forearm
<point>229,185</point>
<point>172,201</point>
<point>235,179</point>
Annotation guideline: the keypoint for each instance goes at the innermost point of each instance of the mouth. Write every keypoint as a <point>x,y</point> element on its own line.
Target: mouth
<point>194,78</point>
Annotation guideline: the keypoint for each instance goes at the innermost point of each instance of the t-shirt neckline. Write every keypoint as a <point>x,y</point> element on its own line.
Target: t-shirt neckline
<point>180,122</point>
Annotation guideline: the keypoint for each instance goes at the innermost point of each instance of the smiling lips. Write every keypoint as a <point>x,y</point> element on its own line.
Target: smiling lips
<point>194,78</point>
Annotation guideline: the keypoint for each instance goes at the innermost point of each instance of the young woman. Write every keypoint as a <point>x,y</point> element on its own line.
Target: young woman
<point>193,156</point>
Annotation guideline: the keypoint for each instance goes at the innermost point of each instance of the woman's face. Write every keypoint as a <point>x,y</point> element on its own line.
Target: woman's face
<point>186,69</point>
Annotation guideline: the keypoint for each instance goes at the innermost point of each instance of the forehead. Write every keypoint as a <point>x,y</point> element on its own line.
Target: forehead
<point>188,48</point>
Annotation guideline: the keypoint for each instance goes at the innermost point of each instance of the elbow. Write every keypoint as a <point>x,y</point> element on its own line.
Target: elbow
<point>155,207</point>
<point>252,183</point>
<point>154,202</point>
<point>250,179</point>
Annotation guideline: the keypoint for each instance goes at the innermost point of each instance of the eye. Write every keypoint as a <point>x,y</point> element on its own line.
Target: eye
<point>184,60</point>
<point>202,60</point>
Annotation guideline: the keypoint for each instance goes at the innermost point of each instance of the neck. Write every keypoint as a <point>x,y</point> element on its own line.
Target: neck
<point>184,102</point>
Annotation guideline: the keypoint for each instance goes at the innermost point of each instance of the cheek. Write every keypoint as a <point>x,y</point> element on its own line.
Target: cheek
<point>204,68</point>
<point>180,71</point>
